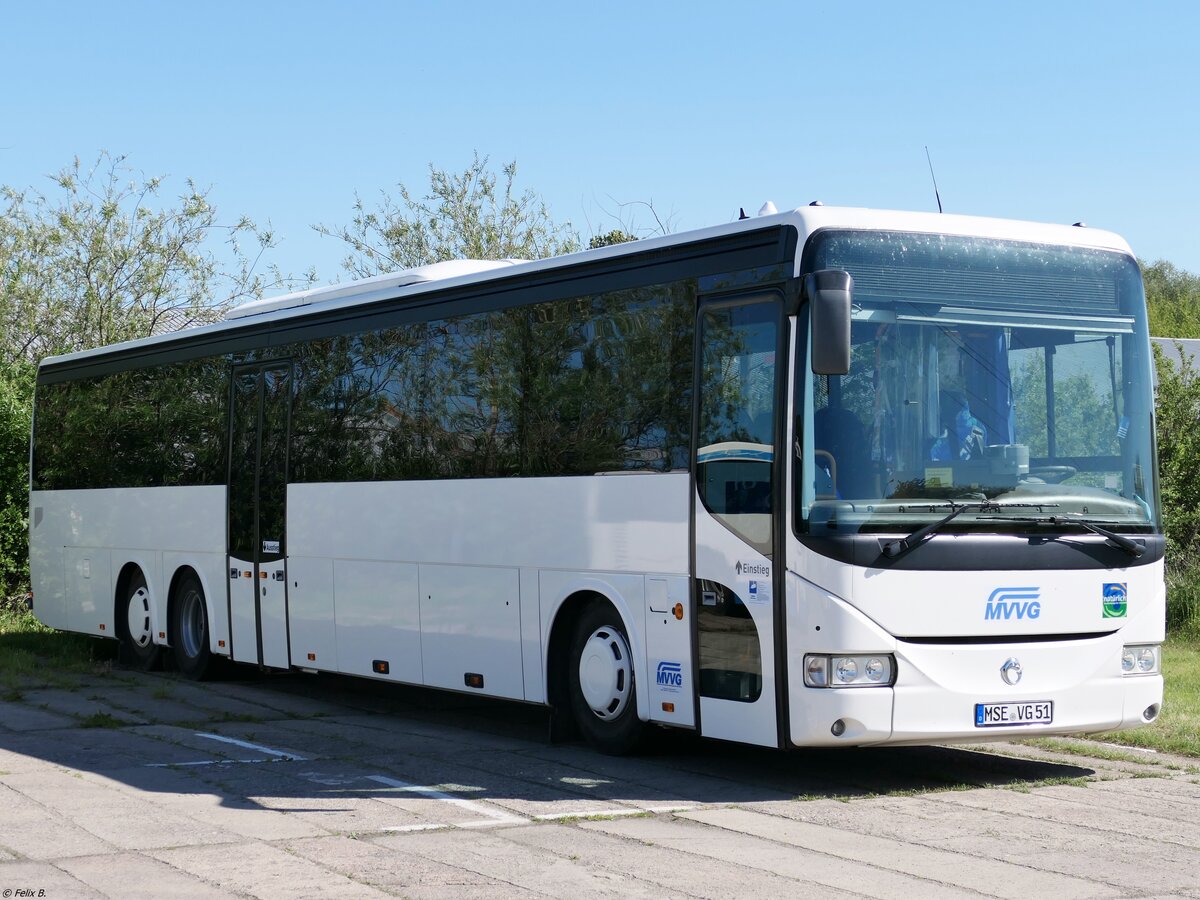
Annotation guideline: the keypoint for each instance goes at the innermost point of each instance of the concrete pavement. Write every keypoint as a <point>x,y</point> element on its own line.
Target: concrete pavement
<point>303,786</point>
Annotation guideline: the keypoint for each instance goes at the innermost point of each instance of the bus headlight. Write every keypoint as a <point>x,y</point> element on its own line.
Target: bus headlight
<point>1140,659</point>
<point>823,670</point>
<point>816,671</point>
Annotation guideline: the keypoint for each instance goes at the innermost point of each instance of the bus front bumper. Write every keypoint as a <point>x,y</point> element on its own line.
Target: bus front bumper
<point>940,689</point>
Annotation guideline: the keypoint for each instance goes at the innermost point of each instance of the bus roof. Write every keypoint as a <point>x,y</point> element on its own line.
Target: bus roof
<point>454,273</point>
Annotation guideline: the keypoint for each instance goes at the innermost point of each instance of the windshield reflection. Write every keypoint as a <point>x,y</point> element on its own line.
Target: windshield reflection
<point>947,402</point>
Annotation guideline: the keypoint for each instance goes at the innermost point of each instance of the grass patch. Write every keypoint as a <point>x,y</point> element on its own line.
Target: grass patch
<point>221,719</point>
<point>32,655</point>
<point>1183,594</point>
<point>1177,729</point>
<point>601,817</point>
<point>100,720</point>
<point>238,717</point>
<point>1024,787</point>
<point>1093,750</point>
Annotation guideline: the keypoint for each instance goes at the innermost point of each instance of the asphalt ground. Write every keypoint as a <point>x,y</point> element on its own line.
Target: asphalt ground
<point>133,785</point>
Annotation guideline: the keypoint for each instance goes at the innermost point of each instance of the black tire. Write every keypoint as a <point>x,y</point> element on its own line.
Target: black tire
<point>189,629</point>
<point>602,681</point>
<point>134,627</point>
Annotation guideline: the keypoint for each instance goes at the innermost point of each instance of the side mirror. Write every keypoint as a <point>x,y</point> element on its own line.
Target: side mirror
<point>829,294</point>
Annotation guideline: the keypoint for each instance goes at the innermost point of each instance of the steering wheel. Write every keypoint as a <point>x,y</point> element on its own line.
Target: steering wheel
<point>1054,474</point>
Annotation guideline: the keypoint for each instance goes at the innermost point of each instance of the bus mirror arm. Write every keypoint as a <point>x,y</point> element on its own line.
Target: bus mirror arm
<point>830,293</point>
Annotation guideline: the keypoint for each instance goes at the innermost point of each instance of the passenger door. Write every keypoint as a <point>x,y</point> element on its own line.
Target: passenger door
<point>737,560</point>
<point>260,412</point>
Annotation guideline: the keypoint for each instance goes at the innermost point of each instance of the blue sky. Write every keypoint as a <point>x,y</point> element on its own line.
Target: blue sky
<point>1048,111</point>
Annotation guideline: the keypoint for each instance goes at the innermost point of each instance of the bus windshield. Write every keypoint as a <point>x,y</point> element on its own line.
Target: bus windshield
<point>982,370</point>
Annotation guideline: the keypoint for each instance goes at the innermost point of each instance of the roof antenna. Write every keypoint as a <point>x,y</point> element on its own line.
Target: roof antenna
<point>934,177</point>
<point>742,214</point>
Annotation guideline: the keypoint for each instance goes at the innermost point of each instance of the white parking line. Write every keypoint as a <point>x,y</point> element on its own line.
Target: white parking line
<point>280,754</point>
<point>492,816</point>
<point>610,813</point>
<point>214,762</point>
<point>273,755</point>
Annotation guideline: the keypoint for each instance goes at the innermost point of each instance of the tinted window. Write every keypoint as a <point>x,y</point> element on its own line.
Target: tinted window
<point>579,386</point>
<point>140,428</point>
<point>573,387</point>
<point>734,456</point>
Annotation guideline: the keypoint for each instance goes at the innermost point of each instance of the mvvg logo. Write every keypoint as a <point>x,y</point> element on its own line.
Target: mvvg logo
<point>670,675</point>
<point>1014,603</point>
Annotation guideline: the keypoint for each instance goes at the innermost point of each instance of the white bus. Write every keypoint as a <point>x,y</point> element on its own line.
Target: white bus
<point>826,477</point>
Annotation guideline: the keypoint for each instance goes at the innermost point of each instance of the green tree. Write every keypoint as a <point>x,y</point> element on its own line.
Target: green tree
<point>616,236</point>
<point>16,389</point>
<point>1173,298</point>
<point>1178,412</point>
<point>473,214</point>
<point>99,259</point>
<point>103,259</point>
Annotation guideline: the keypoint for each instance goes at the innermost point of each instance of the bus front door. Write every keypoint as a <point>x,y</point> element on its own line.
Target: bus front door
<point>257,544</point>
<point>738,564</point>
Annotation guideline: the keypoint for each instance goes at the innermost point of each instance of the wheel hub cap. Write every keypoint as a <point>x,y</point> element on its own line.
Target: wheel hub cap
<point>605,673</point>
<point>138,614</point>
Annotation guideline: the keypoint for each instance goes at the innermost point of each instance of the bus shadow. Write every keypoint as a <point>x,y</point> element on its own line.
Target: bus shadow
<point>863,772</point>
<point>326,744</point>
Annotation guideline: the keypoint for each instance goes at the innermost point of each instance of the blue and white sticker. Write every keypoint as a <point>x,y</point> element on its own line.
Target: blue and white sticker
<point>1116,600</point>
<point>669,676</point>
<point>758,590</point>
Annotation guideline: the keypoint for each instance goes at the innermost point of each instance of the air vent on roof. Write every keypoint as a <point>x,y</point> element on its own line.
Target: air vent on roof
<point>451,268</point>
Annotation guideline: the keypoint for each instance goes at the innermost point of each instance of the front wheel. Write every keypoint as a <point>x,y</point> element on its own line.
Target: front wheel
<point>602,681</point>
<point>133,622</point>
<point>189,630</point>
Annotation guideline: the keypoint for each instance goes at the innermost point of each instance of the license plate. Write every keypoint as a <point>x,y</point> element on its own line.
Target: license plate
<point>994,715</point>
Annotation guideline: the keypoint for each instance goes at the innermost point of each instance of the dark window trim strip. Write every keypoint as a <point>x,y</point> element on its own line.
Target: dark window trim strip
<point>986,552</point>
<point>762,248</point>
<point>1007,638</point>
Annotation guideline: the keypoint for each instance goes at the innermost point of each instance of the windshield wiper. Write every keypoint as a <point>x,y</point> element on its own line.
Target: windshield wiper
<point>1133,548</point>
<point>895,548</point>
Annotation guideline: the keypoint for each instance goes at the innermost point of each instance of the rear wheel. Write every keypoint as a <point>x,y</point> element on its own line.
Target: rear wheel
<point>602,683</point>
<point>189,629</point>
<point>136,632</point>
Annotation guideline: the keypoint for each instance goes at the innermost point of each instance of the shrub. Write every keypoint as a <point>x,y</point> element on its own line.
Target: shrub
<point>16,401</point>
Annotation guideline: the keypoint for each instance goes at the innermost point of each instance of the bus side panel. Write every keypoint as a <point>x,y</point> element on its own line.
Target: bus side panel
<point>531,637</point>
<point>628,523</point>
<point>500,536</point>
<point>378,618</point>
<point>110,527</point>
<point>471,624</point>
<point>311,615</point>
<point>47,570</point>
<point>89,585</point>
<point>669,678</point>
